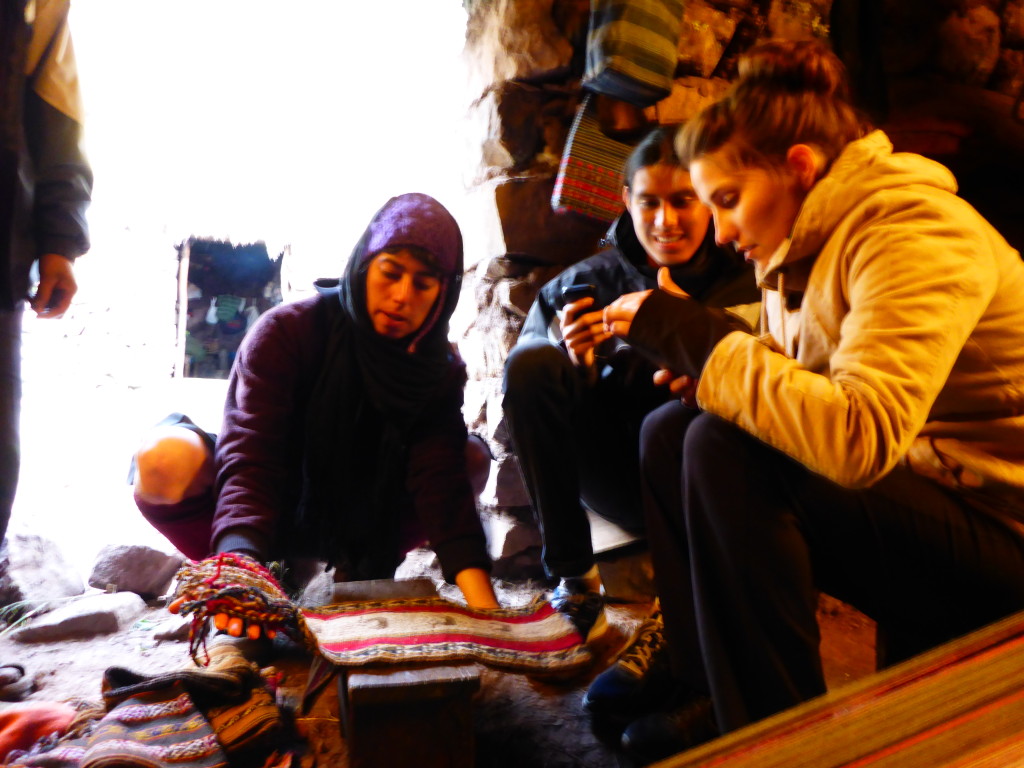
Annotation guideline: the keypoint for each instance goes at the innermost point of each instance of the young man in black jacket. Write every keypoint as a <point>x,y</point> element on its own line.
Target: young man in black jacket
<point>575,399</point>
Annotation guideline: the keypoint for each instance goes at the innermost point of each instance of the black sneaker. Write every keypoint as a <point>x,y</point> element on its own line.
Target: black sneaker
<point>639,681</point>
<point>584,608</point>
<point>662,734</point>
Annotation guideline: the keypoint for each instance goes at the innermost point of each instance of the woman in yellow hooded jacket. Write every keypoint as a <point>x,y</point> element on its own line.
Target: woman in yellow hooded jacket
<point>870,444</point>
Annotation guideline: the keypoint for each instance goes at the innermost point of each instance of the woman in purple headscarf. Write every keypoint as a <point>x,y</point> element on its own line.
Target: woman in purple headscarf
<point>343,439</point>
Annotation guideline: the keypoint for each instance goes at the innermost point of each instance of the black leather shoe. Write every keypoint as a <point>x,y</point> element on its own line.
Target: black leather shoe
<point>662,734</point>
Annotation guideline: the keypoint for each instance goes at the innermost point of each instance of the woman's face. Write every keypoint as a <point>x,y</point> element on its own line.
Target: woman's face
<point>400,292</point>
<point>754,207</point>
<point>669,220</point>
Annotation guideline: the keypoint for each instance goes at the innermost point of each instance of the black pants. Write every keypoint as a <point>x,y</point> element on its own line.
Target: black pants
<point>742,539</point>
<point>10,406</point>
<point>576,439</point>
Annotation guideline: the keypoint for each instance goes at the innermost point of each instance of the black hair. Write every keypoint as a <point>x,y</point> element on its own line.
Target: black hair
<point>656,148</point>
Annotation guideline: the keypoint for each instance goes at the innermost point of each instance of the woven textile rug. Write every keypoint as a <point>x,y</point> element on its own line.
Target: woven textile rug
<point>535,639</point>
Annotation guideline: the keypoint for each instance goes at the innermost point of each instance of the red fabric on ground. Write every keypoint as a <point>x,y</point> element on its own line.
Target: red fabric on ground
<point>24,723</point>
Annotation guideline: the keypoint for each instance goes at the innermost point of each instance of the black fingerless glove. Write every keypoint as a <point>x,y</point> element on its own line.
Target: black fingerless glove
<point>679,334</point>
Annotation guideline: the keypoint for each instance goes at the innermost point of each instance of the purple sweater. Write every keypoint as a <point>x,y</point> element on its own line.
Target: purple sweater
<point>259,449</point>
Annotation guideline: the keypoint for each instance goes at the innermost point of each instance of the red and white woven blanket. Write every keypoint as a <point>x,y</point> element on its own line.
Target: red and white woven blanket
<point>535,639</point>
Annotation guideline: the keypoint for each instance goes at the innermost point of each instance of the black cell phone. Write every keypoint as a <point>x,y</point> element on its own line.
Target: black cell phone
<point>577,291</point>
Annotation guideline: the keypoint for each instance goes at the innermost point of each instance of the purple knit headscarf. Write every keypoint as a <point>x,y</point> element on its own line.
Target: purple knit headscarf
<point>418,220</point>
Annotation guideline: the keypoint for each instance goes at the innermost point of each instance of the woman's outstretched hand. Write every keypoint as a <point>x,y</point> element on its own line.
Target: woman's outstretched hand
<point>618,316</point>
<point>684,387</point>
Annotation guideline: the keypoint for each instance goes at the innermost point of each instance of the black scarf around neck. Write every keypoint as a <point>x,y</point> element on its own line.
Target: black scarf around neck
<point>362,409</point>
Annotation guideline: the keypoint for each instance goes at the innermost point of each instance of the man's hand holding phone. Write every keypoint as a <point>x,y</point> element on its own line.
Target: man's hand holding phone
<point>582,324</point>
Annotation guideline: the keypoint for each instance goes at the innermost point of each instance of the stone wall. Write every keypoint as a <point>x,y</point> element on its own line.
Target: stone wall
<point>943,76</point>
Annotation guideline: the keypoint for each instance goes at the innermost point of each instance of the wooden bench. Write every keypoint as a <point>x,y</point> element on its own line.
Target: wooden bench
<point>961,704</point>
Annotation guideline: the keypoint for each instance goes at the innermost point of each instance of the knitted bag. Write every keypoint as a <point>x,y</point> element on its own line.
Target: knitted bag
<point>632,49</point>
<point>589,179</point>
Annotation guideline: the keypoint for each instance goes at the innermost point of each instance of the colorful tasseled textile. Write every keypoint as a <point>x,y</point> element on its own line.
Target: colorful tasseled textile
<point>236,586</point>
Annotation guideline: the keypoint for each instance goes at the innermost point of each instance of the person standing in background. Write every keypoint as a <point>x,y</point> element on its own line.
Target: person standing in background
<point>45,189</point>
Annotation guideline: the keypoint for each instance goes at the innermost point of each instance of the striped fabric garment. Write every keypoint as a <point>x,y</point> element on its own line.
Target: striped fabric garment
<point>535,639</point>
<point>589,179</point>
<point>632,49</point>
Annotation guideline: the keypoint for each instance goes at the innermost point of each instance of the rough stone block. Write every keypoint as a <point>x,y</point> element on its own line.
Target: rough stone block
<point>517,108</point>
<point>529,225</point>
<point>969,45</point>
<point>33,570</point>
<point>85,617</point>
<point>514,41</point>
<point>1013,23</point>
<point>627,574</point>
<point>1008,77</point>
<point>509,533</point>
<point>133,568</point>
<point>688,97</point>
<point>799,21</point>
<point>703,35</point>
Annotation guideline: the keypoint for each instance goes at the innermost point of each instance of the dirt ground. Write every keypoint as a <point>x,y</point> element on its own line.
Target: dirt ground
<point>71,671</point>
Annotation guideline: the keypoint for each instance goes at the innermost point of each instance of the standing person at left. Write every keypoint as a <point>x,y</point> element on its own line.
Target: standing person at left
<point>45,188</point>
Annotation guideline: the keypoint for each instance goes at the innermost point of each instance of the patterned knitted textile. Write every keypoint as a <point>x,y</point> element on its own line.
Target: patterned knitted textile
<point>189,717</point>
<point>536,639</point>
<point>239,587</point>
<point>151,729</point>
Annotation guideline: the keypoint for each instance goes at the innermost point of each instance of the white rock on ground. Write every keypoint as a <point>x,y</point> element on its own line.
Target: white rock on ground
<point>87,616</point>
<point>33,570</point>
